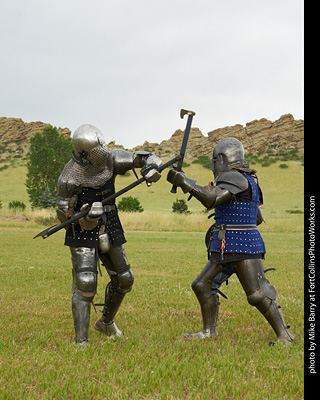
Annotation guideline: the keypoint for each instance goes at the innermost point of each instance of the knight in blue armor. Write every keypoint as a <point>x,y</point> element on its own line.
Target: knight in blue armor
<point>85,182</point>
<point>234,243</point>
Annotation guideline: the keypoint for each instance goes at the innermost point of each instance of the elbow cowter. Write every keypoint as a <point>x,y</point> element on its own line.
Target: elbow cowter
<point>210,196</point>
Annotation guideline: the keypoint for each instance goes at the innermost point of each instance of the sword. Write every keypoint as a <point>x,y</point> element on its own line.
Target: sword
<point>184,141</point>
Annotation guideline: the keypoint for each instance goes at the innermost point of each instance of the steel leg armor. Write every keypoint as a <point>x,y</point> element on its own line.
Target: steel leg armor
<point>209,303</point>
<point>83,289</point>
<point>262,295</point>
<point>121,281</point>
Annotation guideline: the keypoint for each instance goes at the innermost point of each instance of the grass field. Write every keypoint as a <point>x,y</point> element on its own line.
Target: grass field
<point>152,360</point>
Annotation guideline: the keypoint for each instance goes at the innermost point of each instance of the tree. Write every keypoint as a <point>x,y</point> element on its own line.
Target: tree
<point>49,152</point>
<point>47,200</point>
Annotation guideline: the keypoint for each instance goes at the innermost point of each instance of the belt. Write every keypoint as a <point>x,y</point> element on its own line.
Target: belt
<point>239,227</point>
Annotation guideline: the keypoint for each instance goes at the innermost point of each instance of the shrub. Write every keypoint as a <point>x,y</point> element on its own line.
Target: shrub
<point>266,161</point>
<point>272,155</point>
<point>180,207</point>
<point>130,204</point>
<point>17,205</point>
<point>294,211</point>
<point>283,166</point>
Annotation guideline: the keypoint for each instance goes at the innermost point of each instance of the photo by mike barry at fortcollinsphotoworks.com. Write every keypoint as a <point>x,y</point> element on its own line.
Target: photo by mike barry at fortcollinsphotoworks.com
<point>310,282</point>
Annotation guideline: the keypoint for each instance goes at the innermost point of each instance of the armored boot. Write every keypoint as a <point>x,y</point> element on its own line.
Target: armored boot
<point>275,319</point>
<point>270,309</point>
<point>209,304</point>
<point>262,295</point>
<point>105,324</point>
<point>81,308</point>
<point>209,311</point>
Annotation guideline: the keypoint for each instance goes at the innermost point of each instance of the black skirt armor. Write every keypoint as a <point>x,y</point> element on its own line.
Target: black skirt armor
<point>78,237</point>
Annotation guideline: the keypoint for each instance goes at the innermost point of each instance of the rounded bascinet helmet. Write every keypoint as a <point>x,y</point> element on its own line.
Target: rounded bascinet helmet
<point>228,153</point>
<point>90,145</point>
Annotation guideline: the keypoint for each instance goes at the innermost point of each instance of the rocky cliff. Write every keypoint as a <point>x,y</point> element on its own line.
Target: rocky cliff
<point>15,135</point>
<point>286,133</point>
<point>258,135</point>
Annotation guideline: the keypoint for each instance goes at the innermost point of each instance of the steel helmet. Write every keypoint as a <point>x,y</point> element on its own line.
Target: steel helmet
<point>228,153</point>
<point>90,145</point>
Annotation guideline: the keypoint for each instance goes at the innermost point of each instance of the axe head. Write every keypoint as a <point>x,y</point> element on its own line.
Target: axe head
<point>44,233</point>
<point>184,112</point>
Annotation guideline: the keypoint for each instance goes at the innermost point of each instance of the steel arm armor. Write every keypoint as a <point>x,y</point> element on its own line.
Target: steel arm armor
<point>228,184</point>
<point>209,196</point>
<point>67,192</point>
<point>148,162</point>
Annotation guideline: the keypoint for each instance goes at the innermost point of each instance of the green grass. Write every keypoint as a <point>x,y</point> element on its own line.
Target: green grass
<point>282,188</point>
<point>152,360</point>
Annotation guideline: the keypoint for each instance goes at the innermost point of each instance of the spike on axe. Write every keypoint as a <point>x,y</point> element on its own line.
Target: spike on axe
<point>184,141</point>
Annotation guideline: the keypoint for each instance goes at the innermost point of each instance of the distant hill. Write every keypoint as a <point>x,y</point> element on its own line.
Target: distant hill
<point>286,133</point>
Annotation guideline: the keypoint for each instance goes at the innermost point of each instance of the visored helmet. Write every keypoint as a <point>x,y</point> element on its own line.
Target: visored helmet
<point>228,153</point>
<point>90,145</point>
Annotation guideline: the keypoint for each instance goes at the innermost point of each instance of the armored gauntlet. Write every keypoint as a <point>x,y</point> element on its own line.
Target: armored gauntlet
<point>150,171</point>
<point>90,221</point>
<point>178,178</point>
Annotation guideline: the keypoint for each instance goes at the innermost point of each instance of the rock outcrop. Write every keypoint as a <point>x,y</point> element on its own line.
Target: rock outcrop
<point>257,136</point>
<point>15,134</point>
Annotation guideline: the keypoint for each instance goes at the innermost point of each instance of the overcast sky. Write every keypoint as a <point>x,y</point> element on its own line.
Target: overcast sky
<point>129,66</point>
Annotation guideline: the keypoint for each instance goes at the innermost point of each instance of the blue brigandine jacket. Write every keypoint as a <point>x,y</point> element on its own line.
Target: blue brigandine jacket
<point>246,239</point>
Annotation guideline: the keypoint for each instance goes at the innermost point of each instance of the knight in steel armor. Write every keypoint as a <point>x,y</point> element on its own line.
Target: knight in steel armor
<point>234,242</point>
<point>86,180</point>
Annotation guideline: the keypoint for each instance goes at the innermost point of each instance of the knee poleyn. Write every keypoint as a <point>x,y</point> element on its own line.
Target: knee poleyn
<point>197,286</point>
<point>260,301</point>
<point>86,283</point>
<point>201,288</point>
<point>125,281</point>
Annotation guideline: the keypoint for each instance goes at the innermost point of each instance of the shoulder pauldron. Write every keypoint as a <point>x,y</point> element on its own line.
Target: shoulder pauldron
<point>234,181</point>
